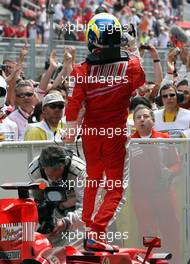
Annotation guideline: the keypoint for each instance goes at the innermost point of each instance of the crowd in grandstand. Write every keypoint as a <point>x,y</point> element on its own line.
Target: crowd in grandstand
<point>28,101</point>
<point>152,19</point>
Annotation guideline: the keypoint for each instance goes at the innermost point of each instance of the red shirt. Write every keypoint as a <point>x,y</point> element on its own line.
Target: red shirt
<point>155,134</point>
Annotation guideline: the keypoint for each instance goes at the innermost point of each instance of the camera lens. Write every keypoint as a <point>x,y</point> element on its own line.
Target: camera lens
<point>2,92</point>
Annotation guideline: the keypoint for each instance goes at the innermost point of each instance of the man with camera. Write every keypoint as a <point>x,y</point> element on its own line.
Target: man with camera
<point>57,166</point>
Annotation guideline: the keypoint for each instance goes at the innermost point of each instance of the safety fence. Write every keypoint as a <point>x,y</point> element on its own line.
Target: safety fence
<point>158,195</point>
<point>38,54</point>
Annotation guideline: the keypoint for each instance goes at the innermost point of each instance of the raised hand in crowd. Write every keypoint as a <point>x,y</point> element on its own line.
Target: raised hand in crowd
<point>46,77</point>
<point>171,60</point>
<point>11,81</point>
<point>68,61</point>
<point>23,53</point>
<point>53,59</point>
<point>183,55</point>
<point>158,74</point>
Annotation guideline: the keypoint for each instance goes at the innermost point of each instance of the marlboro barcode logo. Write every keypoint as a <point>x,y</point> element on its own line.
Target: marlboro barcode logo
<point>16,231</point>
<point>10,255</point>
<point>11,231</point>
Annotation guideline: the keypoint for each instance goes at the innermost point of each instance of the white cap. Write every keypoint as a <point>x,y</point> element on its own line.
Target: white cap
<point>52,98</point>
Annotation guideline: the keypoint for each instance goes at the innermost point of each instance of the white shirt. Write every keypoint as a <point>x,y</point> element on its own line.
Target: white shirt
<point>181,126</point>
<point>21,119</point>
<point>8,130</point>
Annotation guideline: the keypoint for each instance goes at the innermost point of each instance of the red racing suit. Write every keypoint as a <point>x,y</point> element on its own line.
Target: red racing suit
<point>105,91</point>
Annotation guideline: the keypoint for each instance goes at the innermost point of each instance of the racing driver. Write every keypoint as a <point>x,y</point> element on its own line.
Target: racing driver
<point>103,86</point>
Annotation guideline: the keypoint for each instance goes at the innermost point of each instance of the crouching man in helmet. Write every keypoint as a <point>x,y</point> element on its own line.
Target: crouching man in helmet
<point>103,85</point>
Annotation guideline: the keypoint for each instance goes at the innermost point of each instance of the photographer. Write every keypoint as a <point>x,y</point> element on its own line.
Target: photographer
<point>60,167</point>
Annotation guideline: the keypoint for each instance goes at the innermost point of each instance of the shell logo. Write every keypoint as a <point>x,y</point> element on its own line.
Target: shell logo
<point>105,260</point>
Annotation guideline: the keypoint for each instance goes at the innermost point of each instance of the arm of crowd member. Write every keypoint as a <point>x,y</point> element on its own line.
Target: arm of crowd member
<point>11,81</point>
<point>69,60</point>
<point>182,72</point>
<point>158,74</point>
<point>47,75</point>
<point>188,68</point>
<point>170,64</point>
<point>22,54</point>
<point>15,75</point>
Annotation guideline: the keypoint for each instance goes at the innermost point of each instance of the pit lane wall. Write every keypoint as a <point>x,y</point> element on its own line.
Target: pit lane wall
<point>158,196</point>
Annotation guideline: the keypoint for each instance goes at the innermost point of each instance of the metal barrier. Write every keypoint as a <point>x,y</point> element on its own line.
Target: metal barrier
<point>159,195</point>
<point>153,207</point>
<point>38,54</point>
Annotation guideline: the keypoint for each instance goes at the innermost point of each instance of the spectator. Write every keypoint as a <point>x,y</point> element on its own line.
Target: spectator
<point>46,30</point>
<point>139,5</point>
<point>8,128</point>
<point>21,31</point>
<point>133,18</point>
<point>10,66</point>
<point>144,24</point>
<point>183,87</point>
<point>25,100</point>
<point>172,118</point>
<point>61,167</point>
<point>9,30</point>
<point>135,101</point>
<point>52,126</point>
<point>32,30</point>
<point>58,9</point>
<point>69,11</point>
<point>163,38</point>
<point>153,41</point>
<point>144,38</point>
<point>41,20</point>
<point>16,8</point>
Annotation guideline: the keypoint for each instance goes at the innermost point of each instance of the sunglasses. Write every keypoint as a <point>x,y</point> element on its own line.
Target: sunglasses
<point>54,106</point>
<point>168,95</point>
<point>23,95</point>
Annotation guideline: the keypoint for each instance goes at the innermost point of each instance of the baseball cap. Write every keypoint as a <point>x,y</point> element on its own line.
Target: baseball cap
<point>52,98</point>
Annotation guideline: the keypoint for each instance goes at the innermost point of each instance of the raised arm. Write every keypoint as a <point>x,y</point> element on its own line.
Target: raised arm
<point>47,75</point>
